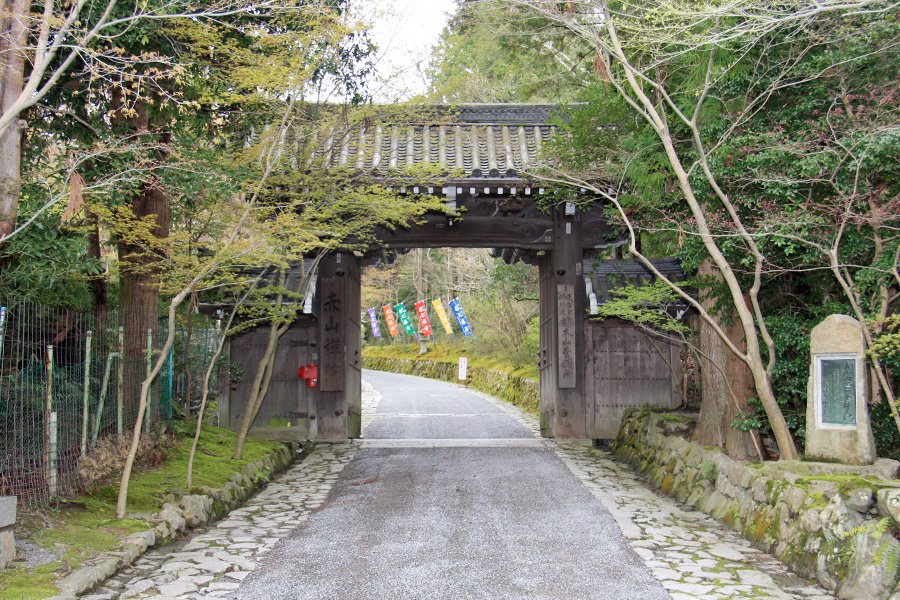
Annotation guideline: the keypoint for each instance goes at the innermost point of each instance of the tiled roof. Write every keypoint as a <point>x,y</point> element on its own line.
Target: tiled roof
<point>499,141</point>
<point>605,276</point>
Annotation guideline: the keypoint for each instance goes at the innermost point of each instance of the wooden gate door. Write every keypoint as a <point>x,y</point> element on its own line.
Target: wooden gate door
<point>626,367</point>
<point>284,412</point>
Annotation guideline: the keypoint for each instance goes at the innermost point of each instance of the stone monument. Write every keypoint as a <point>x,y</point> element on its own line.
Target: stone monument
<point>7,537</point>
<point>837,415</point>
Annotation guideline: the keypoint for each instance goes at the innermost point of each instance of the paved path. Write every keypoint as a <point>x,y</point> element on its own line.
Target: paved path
<point>452,495</point>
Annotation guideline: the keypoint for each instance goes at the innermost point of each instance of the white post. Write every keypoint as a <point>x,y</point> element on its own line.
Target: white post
<point>149,370</point>
<point>48,416</point>
<point>2,328</point>
<point>463,371</point>
<point>51,482</point>
<point>120,384</point>
<point>100,405</point>
<point>87,393</point>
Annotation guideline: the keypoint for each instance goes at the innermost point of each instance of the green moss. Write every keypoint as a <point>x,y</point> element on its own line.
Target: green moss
<point>731,517</point>
<point>837,557</point>
<point>16,584</point>
<point>84,534</point>
<point>847,482</point>
<point>757,528</point>
<point>673,418</point>
<point>774,490</point>
<point>667,482</point>
<point>77,535</point>
<point>445,353</point>
<point>798,559</point>
<point>818,501</point>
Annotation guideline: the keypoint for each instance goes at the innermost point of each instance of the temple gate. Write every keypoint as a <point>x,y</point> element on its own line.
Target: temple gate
<point>584,365</point>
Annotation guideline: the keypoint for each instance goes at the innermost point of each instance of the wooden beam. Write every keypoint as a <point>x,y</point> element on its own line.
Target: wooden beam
<point>438,231</point>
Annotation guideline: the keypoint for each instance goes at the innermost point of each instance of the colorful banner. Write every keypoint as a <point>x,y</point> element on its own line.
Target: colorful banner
<point>442,315</point>
<point>456,307</point>
<point>403,317</point>
<point>424,323</point>
<point>391,320</point>
<point>373,318</point>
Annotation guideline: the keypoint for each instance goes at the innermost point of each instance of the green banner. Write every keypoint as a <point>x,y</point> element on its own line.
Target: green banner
<point>403,317</point>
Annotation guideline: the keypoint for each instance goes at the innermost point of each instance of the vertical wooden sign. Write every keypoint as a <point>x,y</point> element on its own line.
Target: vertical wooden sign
<point>565,297</point>
<point>331,355</point>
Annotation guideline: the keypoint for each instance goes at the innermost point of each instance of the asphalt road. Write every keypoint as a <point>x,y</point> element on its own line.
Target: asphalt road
<point>452,522</point>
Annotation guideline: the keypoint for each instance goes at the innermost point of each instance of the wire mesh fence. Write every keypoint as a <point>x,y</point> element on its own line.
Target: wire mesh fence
<point>69,380</point>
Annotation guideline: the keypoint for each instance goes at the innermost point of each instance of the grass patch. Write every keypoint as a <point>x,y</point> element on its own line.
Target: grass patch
<point>77,534</point>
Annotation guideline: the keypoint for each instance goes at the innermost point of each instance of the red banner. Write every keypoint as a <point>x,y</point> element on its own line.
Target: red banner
<point>422,312</point>
<point>391,320</point>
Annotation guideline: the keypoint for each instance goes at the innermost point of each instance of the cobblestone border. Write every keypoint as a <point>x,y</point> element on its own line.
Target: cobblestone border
<point>215,561</point>
<point>189,511</point>
<point>692,555</point>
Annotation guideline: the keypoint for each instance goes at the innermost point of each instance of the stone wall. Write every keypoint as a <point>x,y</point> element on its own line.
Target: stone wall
<point>524,393</point>
<point>827,522</point>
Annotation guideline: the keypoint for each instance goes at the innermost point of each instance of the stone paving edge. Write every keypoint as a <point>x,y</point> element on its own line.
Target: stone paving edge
<point>190,511</point>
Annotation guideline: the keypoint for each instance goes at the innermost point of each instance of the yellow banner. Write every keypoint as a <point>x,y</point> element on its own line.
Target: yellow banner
<point>442,315</point>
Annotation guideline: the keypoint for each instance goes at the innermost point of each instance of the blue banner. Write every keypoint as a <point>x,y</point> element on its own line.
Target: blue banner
<point>373,318</point>
<point>456,307</point>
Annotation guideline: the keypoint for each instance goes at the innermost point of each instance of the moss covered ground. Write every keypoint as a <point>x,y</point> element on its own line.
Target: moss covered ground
<point>450,353</point>
<point>80,531</point>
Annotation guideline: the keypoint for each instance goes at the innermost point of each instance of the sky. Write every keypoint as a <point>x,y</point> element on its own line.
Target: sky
<point>405,31</point>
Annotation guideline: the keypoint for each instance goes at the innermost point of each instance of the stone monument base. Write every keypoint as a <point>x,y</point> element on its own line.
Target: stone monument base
<point>7,523</point>
<point>837,412</point>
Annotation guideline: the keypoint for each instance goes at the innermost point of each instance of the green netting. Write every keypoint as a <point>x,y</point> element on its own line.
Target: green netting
<point>49,424</point>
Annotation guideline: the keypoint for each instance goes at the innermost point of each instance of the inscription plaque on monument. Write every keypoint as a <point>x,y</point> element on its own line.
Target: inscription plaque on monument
<point>837,378</point>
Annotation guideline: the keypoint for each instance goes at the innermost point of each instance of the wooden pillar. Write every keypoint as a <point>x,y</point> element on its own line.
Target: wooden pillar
<point>225,385</point>
<point>548,345</point>
<point>338,300</point>
<point>353,370</point>
<point>562,304</point>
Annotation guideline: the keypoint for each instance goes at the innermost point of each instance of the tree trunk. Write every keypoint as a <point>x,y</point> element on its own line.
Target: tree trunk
<point>99,294</point>
<point>139,263</point>
<point>726,384</point>
<point>139,272</point>
<point>143,401</point>
<point>12,64</point>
